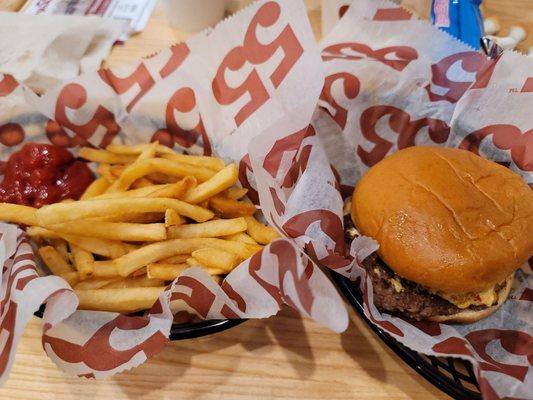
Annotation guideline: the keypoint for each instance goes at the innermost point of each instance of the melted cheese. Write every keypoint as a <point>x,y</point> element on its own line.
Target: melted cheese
<point>396,284</point>
<point>486,298</point>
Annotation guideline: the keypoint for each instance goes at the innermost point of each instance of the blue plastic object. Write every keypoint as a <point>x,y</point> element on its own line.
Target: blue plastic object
<point>460,18</point>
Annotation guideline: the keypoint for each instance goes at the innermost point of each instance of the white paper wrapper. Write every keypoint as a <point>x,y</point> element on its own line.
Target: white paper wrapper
<point>396,83</point>
<point>257,74</point>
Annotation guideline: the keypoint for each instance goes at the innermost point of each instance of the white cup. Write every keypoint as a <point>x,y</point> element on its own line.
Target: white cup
<point>194,15</point>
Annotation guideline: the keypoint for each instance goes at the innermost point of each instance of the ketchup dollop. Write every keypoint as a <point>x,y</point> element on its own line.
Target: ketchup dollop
<point>40,174</point>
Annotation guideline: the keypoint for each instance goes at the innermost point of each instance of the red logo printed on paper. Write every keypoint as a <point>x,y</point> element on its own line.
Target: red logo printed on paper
<point>342,10</point>
<point>254,52</point>
<point>350,85</point>
<point>528,86</point>
<point>400,122</point>
<point>57,135</point>
<point>140,77</point>
<point>245,171</point>
<point>179,53</point>
<point>90,352</point>
<point>469,62</point>
<point>11,134</point>
<point>358,51</point>
<point>73,96</point>
<point>298,163</point>
<point>392,14</point>
<point>183,101</point>
<point>7,85</point>
<point>504,137</point>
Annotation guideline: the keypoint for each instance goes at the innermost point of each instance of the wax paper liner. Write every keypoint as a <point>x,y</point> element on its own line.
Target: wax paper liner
<point>398,82</point>
<point>257,73</point>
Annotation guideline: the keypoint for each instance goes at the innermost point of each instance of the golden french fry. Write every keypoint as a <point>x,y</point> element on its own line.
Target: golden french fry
<point>125,300</point>
<point>83,261</point>
<point>223,180</point>
<point>53,260</point>
<point>124,231</point>
<point>96,188</point>
<point>61,246</point>
<point>201,161</point>
<point>142,281</point>
<point>95,283</point>
<point>105,269</point>
<point>193,262</point>
<point>240,237</point>
<point>159,177</point>
<point>104,156</point>
<point>141,192</point>
<point>137,148</point>
<point>260,233</point>
<point>117,170</point>
<point>149,152</point>
<point>139,272</point>
<point>72,278</point>
<point>167,272</point>
<point>57,213</point>
<point>138,184</point>
<point>235,193</point>
<point>177,259</point>
<point>144,167</point>
<point>228,208</point>
<point>215,228</point>
<point>154,252</point>
<point>172,218</point>
<point>176,190</point>
<point>104,170</point>
<point>18,214</point>
<point>216,259</point>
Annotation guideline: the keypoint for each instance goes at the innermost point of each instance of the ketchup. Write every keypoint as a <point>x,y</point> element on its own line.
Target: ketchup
<point>40,174</point>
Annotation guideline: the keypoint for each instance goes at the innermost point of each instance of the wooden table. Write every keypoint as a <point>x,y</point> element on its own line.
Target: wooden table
<point>283,357</point>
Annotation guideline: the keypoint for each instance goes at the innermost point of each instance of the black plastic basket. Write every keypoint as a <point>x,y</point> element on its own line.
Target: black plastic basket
<point>453,376</point>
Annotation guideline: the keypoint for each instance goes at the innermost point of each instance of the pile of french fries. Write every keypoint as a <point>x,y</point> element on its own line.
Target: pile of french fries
<point>149,215</point>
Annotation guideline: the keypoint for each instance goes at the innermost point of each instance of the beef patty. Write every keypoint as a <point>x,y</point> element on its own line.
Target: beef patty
<point>396,295</point>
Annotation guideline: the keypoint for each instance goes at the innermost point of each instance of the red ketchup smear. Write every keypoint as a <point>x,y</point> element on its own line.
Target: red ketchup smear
<point>40,174</point>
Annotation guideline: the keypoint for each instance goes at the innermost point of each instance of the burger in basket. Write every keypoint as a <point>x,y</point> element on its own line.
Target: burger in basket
<point>452,229</point>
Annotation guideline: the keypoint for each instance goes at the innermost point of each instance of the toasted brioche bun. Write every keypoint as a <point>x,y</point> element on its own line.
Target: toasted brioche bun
<point>469,316</point>
<point>446,219</point>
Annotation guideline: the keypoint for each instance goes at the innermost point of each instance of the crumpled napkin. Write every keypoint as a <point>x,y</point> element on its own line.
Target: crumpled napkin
<point>43,50</point>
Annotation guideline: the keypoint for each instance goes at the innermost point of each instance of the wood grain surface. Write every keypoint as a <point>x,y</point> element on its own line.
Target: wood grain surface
<point>284,357</point>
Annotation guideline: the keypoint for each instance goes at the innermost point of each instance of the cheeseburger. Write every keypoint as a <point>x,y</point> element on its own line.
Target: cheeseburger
<point>452,229</point>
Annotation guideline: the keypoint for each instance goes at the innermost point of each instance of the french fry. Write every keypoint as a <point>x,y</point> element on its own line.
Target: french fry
<point>18,214</point>
<point>193,262</point>
<point>176,190</point>
<point>141,192</point>
<point>57,213</point>
<point>215,228</point>
<point>96,188</point>
<point>167,272</point>
<point>154,252</point>
<point>61,246</point>
<point>105,269</point>
<point>123,231</point>
<point>125,300</point>
<point>172,218</point>
<point>95,283</point>
<point>139,272</point>
<point>72,278</point>
<point>159,177</point>
<point>216,259</point>
<point>117,170</point>
<point>53,260</point>
<point>260,233</point>
<point>104,170</point>
<point>240,237</point>
<point>177,259</point>
<point>149,152</point>
<point>228,208</point>
<point>104,156</point>
<point>223,180</point>
<point>139,183</point>
<point>201,161</point>
<point>144,167</point>
<point>83,261</point>
<point>235,193</point>
<point>137,148</point>
<point>142,281</point>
